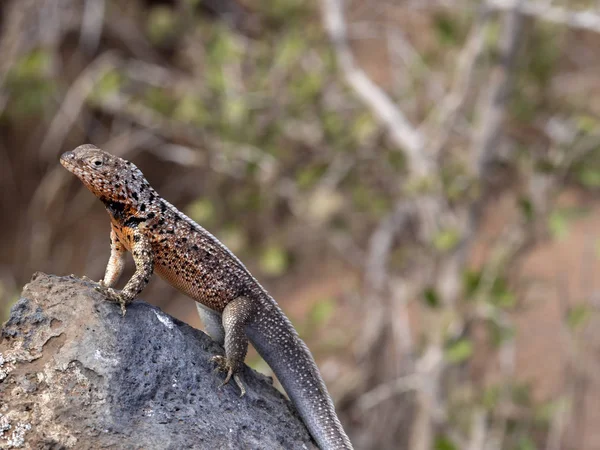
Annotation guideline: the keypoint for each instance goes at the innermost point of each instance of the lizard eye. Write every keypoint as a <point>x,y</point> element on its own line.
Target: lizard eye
<point>97,162</point>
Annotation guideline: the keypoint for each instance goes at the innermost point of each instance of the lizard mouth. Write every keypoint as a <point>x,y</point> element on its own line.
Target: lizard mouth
<point>67,159</point>
<point>71,163</point>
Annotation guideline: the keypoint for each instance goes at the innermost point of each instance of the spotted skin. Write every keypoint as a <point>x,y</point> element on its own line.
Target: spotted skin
<point>234,307</point>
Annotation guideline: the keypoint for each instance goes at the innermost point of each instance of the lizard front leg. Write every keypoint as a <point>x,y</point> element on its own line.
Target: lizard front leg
<point>236,315</point>
<point>116,262</point>
<point>143,257</point>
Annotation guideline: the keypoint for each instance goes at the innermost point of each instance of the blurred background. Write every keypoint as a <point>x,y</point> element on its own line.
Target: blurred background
<point>414,181</point>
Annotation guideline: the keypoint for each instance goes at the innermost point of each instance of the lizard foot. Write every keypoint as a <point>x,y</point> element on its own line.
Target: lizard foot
<point>224,366</point>
<point>112,296</point>
<point>88,279</point>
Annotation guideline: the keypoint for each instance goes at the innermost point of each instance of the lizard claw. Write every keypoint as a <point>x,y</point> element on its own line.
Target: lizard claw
<point>112,296</point>
<point>89,280</point>
<point>221,363</point>
<point>224,366</point>
<point>239,383</point>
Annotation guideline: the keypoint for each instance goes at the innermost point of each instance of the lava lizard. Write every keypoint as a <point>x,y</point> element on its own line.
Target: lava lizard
<point>233,306</point>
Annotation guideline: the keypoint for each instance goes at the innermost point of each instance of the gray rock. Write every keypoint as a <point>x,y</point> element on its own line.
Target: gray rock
<point>75,374</point>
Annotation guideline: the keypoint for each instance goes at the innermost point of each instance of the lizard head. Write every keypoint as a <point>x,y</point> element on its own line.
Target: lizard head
<point>110,178</point>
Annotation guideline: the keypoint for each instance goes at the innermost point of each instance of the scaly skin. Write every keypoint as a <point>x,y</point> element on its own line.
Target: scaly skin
<point>234,307</point>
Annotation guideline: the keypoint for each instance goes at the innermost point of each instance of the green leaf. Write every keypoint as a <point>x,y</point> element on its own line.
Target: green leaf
<point>364,127</point>
<point>559,225</point>
<point>222,48</point>
<point>396,160</point>
<point>471,280</point>
<point>274,261</point>
<point>31,98</point>
<point>288,11</point>
<point>578,316</point>
<point>30,86</point>
<point>561,218</point>
<point>546,411</point>
<point>322,311</point>
<point>191,110</point>
<point>545,52</point>
<point>492,34</point>
<point>446,29</point>
<point>587,124</point>
<point>589,177</point>
<point>420,185</point>
<point>521,394</point>
<point>459,351</point>
<point>33,65</point>
<point>499,333</point>
<point>201,210</point>
<point>367,199</point>
<point>527,209</point>
<point>305,88</point>
<point>108,85</point>
<point>490,397</point>
<point>234,110</point>
<point>525,443</point>
<point>234,238</point>
<point>159,100</point>
<point>161,25</point>
<point>504,299</point>
<point>500,294</point>
<point>308,176</point>
<point>431,297</point>
<point>214,78</point>
<point>446,240</point>
<point>290,49</point>
<point>258,364</point>
<point>444,443</point>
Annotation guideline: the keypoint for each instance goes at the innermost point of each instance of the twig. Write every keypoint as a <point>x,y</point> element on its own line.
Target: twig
<point>478,430</point>
<point>401,130</point>
<point>444,118</point>
<point>13,41</point>
<point>586,20</point>
<point>128,33</point>
<point>401,294</point>
<point>386,391</point>
<point>380,245</point>
<point>91,25</point>
<point>379,316</point>
<point>486,142</point>
<point>430,367</point>
<point>401,50</point>
<point>157,75</point>
<point>74,100</point>
<point>506,357</point>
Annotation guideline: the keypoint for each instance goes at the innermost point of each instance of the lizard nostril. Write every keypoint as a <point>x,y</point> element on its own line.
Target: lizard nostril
<point>66,156</point>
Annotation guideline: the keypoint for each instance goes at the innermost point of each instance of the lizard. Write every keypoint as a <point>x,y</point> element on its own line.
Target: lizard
<point>232,304</point>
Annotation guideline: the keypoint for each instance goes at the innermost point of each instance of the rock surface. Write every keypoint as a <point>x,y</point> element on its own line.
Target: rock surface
<point>75,374</point>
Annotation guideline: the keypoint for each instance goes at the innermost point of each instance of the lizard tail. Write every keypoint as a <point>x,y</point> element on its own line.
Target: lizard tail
<point>276,340</point>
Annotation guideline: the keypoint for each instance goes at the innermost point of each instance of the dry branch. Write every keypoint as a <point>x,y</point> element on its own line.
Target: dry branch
<point>401,130</point>
<point>585,20</point>
<point>486,141</point>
